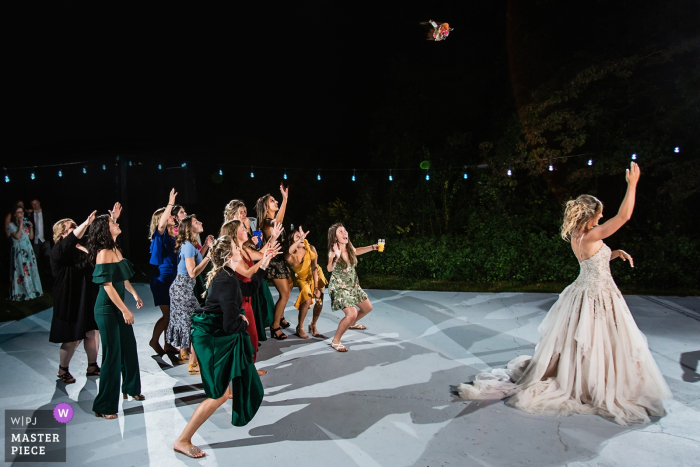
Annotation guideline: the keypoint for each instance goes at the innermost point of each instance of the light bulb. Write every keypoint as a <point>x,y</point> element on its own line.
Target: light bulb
<point>84,170</point>
<point>60,173</point>
<point>677,149</point>
<point>130,163</point>
<point>104,167</point>
<point>427,176</point>
<point>33,176</point>
<point>285,176</point>
<point>465,175</point>
<point>183,165</point>
<point>391,178</point>
<point>318,177</point>
<point>551,168</point>
<point>590,161</point>
<point>160,167</point>
<point>7,179</point>
<point>353,178</point>
<point>252,175</point>
<point>221,172</point>
<point>510,173</point>
<point>634,157</point>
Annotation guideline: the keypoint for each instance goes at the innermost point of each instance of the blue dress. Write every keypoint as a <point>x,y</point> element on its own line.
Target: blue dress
<point>162,255</point>
<point>25,283</point>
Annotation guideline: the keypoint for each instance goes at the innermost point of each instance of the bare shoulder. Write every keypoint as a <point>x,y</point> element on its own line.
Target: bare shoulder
<point>107,256</point>
<point>313,249</point>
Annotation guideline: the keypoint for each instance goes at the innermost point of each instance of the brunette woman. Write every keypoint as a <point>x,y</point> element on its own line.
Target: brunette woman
<point>164,257</point>
<point>74,296</point>
<point>302,258</point>
<point>246,268</point>
<point>223,347</point>
<point>269,210</point>
<point>182,299</point>
<point>114,319</point>
<point>344,286</point>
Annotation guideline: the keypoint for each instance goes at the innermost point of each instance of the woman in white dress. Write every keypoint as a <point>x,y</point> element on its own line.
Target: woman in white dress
<point>591,358</point>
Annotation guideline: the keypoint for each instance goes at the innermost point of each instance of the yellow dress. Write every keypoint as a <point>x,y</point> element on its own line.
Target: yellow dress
<point>305,276</point>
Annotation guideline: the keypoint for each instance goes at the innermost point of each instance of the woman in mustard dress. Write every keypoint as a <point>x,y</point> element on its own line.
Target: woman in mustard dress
<point>302,258</point>
<point>120,360</point>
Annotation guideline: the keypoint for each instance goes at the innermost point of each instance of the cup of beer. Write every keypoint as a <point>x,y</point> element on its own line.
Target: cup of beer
<point>381,244</point>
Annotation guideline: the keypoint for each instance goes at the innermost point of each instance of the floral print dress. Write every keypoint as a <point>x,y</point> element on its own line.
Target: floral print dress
<point>344,287</point>
<point>25,283</point>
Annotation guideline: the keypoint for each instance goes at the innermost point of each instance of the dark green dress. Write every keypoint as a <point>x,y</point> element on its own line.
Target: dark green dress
<point>263,309</point>
<point>223,346</point>
<point>120,361</point>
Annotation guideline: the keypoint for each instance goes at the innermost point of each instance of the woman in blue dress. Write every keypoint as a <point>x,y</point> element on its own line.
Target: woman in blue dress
<point>25,283</point>
<point>163,256</point>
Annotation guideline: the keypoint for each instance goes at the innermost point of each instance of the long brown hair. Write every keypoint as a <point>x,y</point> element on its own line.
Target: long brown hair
<point>184,232</point>
<point>219,253</point>
<point>261,209</point>
<point>332,240</point>
<point>578,213</point>
<point>230,228</point>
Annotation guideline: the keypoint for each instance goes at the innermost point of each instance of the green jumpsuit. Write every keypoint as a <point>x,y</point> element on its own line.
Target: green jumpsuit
<point>119,355</point>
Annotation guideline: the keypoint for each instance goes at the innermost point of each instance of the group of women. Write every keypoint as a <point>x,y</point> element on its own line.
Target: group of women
<point>591,359</point>
<point>216,326</point>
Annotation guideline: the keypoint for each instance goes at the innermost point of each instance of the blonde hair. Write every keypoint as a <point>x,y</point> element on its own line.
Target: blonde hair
<point>155,219</point>
<point>232,208</point>
<point>59,229</point>
<point>230,228</point>
<point>184,233</point>
<point>219,254</point>
<point>578,213</point>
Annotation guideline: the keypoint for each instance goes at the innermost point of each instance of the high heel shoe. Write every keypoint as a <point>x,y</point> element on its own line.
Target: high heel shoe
<point>317,335</point>
<point>193,368</point>
<point>298,333</point>
<point>273,334</point>
<point>284,324</point>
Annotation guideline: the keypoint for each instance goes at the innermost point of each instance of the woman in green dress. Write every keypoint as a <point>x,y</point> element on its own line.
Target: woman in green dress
<point>222,344</point>
<point>114,319</point>
<point>344,286</point>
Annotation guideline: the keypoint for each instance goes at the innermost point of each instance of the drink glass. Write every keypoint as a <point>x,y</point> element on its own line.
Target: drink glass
<point>381,245</point>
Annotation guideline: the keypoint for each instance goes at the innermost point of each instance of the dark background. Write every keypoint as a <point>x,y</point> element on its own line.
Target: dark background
<point>321,85</point>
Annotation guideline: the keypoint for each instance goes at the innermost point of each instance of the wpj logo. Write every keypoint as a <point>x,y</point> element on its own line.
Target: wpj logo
<point>36,435</point>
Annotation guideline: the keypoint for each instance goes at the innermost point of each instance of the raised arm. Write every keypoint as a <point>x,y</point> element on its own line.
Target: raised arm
<point>624,213</point>
<point>366,249</point>
<point>283,209</point>
<point>82,228</point>
<point>163,223</point>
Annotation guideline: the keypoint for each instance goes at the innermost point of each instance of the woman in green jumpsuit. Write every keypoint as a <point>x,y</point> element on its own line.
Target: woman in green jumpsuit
<point>222,344</point>
<point>119,355</point>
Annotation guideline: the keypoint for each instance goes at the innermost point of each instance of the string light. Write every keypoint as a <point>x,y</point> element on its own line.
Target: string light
<point>183,165</point>
<point>130,163</point>
<point>510,172</point>
<point>33,177</point>
<point>318,177</point>
<point>84,170</point>
<point>252,174</point>
<point>551,167</point>
<point>285,174</point>
<point>7,178</point>
<point>391,177</point>
<point>160,167</point>
<point>221,172</point>
<point>634,157</point>
<point>60,173</point>
<point>677,149</point>
<point>104,167</point>
<point>353,175</point>
<point>590,161</point>
<point>117,157</point>
<point>427,176</point>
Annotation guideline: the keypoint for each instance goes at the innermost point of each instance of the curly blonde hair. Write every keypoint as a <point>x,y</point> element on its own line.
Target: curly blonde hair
<point>232,208</point>
<point>59,229</point>
<point>230,228</point>
<point>578,213</point>
<point>219,254</point>
<point>184,233</point>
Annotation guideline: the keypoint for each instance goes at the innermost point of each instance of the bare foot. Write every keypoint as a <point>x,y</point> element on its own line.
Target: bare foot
<point>188,449</point>
<point>170,349</point>
<point>314,332</point>
<point>262,372</point>
<point>156,346</point>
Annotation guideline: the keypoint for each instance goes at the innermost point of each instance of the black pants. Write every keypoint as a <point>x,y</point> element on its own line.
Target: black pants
<point>42,250</point>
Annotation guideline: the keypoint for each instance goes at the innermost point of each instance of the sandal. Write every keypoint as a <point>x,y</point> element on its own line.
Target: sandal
<point>106,417</point>
<point>273,334</point>
<point>284,324</point>
<point>66,377</point>
<point>193,452</point>
<point>140,397</point>
<point>359,327</point>
<point>193,368</point>
<point>339,347</point>
<point>299,335</point>
<point>95,372</point>
<point>184,355</point>
<point>317,335</point>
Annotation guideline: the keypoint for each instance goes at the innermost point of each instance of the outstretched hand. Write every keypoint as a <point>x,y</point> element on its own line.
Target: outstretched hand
<point>116,211</point>
<point>302,235</point>
<point>336,250</point>
<point>91,217</point>
<point>284,191</point>
<point>632,174</point>
<point>625,256</point>
<point>277,229</point>
<point>173,195</point>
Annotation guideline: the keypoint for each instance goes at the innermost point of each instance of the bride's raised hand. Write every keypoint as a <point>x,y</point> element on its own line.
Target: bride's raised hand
<point>632,174</point>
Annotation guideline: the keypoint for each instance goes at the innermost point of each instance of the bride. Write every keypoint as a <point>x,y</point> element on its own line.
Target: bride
<point>591,358</point>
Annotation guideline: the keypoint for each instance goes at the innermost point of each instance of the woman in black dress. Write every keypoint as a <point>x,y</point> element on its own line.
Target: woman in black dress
<point>74,296</point>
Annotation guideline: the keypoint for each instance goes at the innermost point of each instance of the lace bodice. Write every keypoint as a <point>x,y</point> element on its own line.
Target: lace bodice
<point>596,269</point>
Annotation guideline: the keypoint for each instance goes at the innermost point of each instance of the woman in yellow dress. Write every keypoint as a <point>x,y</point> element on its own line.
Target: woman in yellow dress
<point>302,258</point>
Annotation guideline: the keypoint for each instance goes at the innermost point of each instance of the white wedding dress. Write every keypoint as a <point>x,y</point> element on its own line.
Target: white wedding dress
<point>591,358</point>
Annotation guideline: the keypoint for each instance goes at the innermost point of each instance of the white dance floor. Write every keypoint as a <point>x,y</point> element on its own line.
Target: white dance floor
<point>387,402</point>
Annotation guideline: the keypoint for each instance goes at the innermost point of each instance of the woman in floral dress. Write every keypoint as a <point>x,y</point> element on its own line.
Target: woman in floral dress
<point>344,286</point>
<point>25,283</point>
